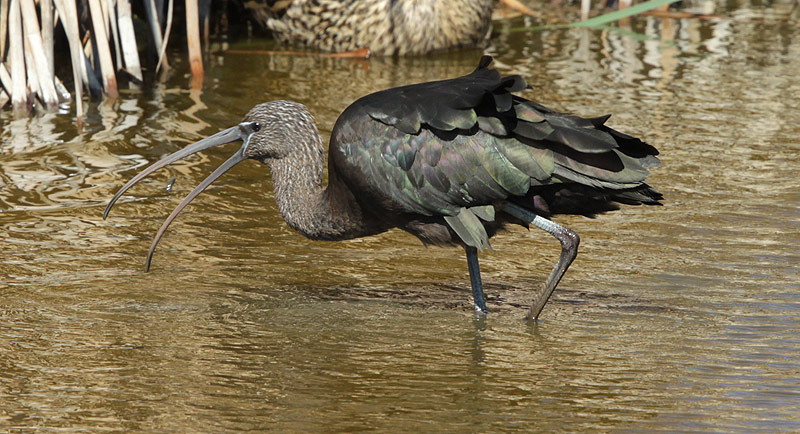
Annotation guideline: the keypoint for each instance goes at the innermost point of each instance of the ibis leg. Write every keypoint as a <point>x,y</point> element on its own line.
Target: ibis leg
<point>475,280</point>
<point>569,250</point>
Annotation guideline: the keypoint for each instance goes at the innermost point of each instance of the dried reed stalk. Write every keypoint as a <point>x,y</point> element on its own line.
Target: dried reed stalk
<point>193,41</point>
<point>155,30</point>
<point>48,22</point>
<point>130,53</point>
<point>111,18</point>
<point>35,57</point>
<point>69,20</point>
<point>30,70</point>
<point>103,51</point>
<point>16,58</point>
<point>162,49</point>
<point>5,89</point>
<point>3,28</point>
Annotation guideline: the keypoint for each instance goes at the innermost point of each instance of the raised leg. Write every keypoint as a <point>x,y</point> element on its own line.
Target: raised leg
<point>475,280</point>
<point>569,250</point>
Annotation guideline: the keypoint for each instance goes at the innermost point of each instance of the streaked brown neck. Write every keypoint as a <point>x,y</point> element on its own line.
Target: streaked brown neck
<point>320,213</point>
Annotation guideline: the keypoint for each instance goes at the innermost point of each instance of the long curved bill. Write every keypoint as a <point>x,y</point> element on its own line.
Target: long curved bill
<point>242,132</point>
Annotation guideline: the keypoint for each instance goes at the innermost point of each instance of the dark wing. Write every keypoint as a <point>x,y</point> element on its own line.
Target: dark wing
<point>456,147</point>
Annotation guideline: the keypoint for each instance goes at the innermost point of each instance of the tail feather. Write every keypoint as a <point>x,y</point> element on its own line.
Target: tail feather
<point>641,195</point>
<point>585,200</point>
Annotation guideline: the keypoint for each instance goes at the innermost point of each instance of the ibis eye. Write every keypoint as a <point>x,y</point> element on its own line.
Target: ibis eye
<point>256,126</point>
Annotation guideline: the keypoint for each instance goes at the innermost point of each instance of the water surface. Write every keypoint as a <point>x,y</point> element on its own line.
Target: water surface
<point>681,318</point>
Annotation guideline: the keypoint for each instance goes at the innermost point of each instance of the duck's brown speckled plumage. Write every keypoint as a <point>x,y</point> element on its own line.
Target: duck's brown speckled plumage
<point>385,27</point>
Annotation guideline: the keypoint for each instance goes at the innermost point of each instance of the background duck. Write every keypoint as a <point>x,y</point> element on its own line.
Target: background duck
<point>385,27</point>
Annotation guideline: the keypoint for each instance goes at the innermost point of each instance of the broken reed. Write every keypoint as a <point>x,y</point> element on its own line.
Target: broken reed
<point>106,47</point>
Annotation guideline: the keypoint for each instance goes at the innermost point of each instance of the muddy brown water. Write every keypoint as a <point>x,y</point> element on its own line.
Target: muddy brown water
<point>681,318</point>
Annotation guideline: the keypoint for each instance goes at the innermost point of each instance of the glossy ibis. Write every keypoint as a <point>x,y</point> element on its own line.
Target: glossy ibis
<point>450,162</point>
<point>385,27</point>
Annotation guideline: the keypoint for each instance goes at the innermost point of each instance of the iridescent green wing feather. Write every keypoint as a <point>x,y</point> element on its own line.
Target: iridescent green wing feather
<point>455,147</point>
